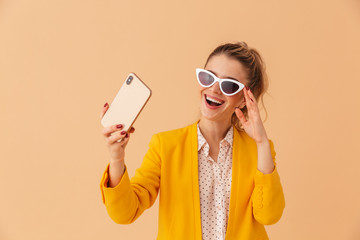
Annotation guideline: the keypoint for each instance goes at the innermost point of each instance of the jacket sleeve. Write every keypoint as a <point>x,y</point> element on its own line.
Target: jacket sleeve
<point>268,197</point>
<point>128,200</point>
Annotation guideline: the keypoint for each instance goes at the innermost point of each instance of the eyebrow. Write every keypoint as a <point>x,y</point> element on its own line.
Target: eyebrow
<point>224,77</point>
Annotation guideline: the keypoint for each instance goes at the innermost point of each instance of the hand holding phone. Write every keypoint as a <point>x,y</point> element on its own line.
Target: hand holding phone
<point>124,110</point>
<point>117,151</point>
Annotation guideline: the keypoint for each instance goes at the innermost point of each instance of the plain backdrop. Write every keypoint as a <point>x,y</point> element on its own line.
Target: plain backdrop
<point>60,61</point>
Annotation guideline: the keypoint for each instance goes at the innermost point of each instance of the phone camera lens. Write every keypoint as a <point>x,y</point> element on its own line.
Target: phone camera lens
<point>128,81</point>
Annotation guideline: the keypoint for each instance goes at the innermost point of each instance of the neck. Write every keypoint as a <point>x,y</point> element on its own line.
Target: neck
<point>214,131</point>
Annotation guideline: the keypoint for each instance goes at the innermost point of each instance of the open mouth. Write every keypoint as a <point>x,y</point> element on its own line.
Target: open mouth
<point>213,102</point>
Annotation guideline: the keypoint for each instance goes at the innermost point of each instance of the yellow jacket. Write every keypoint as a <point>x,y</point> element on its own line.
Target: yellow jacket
<point>171,166</point>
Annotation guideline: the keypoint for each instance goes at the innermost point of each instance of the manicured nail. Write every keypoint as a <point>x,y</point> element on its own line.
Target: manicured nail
<point>123,132</point>
<point>247,88</point>
<point>106,104</point>
<point>119,126</point>
<point>127,135</point>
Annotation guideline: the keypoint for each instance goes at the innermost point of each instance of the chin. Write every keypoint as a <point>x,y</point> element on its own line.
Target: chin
<point>215,116</point>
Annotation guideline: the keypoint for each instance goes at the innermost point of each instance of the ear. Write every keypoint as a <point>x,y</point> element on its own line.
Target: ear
<point>242,104</point>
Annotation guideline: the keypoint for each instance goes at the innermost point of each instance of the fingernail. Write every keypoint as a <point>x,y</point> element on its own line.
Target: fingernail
<point>119,126</point>
<point>123,132</point>
<point>127,135</point>
<point>106,104</point>
<point>247,88</point>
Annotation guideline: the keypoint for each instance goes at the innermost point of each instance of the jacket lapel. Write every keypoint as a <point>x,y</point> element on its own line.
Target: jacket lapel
<point>195,179</point>
<point>237,155</point>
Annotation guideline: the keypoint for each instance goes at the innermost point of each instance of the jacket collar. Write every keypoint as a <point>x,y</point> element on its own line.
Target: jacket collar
<point>227,140</point>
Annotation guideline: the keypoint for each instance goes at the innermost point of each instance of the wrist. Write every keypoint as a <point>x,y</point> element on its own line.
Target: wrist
<point>263,142</point>
<point>117,167</point>
<point>117,161</point>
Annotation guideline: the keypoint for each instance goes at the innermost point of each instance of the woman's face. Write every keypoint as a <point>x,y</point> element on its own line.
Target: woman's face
<point>223,67</point>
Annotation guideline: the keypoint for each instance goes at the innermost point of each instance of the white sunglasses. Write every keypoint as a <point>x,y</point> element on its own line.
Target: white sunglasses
<point>229,87</point>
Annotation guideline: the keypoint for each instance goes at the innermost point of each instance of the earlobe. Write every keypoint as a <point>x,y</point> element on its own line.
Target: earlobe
<point>242,105</point>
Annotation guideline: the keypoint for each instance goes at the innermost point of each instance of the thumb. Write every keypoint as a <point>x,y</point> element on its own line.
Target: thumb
<point>240,115</point>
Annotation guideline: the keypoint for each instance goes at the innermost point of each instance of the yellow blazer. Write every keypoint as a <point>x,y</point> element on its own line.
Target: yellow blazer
<point>171,166</point>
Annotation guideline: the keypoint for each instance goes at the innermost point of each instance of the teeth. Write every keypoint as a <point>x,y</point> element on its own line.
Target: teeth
<point>213,100</point>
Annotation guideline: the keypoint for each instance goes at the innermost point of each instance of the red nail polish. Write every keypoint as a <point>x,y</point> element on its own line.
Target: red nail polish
<point>127,135</point>
<point>123,132</point>
<point>119,126</point>
<point>106,104</point>
<point>247,88</point>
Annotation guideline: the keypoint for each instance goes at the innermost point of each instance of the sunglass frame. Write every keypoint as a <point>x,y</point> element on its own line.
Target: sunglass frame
<point>220,80</point>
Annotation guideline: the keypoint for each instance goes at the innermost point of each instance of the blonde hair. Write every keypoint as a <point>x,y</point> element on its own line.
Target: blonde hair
<point>257,79</point>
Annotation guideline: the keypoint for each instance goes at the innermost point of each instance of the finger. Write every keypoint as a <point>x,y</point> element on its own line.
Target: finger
<point>125,140</point>
<point>251,96</point>
<point>104,109</point>
<point>132,130</point>
<point>247,99</point>
<point>107,131</point>
<point>116,137</point>
<point>253,106</point>
<point>240,115</point>
<point>249,104</point>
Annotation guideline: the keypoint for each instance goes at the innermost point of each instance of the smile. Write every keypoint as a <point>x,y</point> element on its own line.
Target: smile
<point>212,101</point>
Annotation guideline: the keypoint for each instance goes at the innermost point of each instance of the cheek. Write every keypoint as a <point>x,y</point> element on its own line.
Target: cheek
<point>236,100</point>
<point>201,89</point>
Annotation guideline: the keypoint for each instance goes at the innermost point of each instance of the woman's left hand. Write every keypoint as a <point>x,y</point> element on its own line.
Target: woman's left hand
<point>253,126</point>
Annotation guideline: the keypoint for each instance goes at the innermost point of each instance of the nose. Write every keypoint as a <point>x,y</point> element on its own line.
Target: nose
<point>216,88</point>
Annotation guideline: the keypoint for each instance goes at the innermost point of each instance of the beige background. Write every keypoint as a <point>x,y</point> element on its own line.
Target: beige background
<point>60,61</point>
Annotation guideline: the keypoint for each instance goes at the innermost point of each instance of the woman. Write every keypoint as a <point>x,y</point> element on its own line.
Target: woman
<point>217,177</point>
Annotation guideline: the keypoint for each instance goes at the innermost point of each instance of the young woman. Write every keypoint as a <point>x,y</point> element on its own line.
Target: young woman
<point>217,177</point>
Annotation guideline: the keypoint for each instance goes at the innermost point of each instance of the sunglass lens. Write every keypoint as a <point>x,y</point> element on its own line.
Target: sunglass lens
<point>229,87</point>
<point>205,78</point>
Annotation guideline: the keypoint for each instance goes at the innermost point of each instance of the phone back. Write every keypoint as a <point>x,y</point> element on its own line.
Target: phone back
<point>128,103</point>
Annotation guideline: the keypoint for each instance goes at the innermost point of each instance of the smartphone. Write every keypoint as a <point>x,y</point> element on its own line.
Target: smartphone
<point>128,103</point>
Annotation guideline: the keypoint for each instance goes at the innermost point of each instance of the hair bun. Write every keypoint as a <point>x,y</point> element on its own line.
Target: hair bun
<point>243,44</point>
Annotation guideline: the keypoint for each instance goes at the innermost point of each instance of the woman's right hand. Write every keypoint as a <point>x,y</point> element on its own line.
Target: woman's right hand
<point>111,136</point>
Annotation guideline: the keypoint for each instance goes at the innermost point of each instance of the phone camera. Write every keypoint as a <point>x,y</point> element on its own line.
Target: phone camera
<point>128,81</point>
